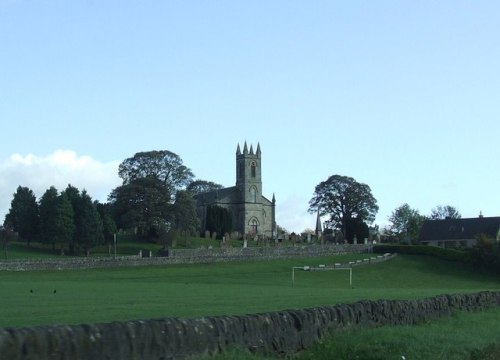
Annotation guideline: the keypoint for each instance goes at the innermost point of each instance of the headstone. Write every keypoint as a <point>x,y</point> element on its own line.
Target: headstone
<point>366,241</point>
<point>308,237</point>
<point>207,234</point>
<point>355,240</point>
<point>245,243</point>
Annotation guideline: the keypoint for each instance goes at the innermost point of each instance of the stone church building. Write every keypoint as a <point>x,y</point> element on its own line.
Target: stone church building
<point>252,213</point>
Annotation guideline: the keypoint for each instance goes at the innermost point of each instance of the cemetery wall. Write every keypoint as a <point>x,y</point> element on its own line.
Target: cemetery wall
<point>280,332</point>
<point>183,256</point>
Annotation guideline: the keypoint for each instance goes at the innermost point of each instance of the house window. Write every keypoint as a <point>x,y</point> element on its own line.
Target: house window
<point>252,168</point>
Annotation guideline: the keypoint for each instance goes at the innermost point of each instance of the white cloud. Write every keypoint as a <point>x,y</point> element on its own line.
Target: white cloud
<point>58,169</point>
<point>291,213</point>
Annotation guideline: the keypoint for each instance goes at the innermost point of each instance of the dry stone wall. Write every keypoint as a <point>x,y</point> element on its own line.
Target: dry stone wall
<point>280,332</point>
<point>180,256</point>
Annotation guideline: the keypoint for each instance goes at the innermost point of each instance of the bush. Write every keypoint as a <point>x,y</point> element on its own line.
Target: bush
<point>445,254</point>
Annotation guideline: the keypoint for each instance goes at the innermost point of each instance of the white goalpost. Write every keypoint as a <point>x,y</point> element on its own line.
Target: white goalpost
<point>321,268</point>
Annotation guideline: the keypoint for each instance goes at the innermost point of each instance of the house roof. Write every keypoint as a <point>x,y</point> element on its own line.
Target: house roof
<point>223,195</point>
<point>459,229</point>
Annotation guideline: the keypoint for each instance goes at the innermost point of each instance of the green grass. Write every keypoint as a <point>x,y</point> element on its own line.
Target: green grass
<point>103,295</point>
<point>464,336</point>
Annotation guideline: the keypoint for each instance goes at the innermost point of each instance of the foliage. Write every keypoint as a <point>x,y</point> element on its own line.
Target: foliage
<point>109,228</point>
<point>438,252</point>
<point>406,223</point>
<point>56,218</point>
<point>6,235</point>
<point>342,198</point>
<point>441,212</point>
<point>142,204</point>
<point>23,214</point>
<point>164,166</point>
<point>185,216</point>
<point>201,186</point>
<point>218,220</point>
<point>88,223</point>
<point>486,253</point>
<point>356,227</point>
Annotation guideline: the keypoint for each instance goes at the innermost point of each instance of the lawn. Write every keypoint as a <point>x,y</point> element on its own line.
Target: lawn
<point>103,295</point>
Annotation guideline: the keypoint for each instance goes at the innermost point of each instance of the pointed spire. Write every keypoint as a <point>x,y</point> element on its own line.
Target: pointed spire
<point>258,149</point>
<point>251,149</point>
<point>319,229</point>
<point>274,199</point>
<point>238,151</point>
<point>245,148</point>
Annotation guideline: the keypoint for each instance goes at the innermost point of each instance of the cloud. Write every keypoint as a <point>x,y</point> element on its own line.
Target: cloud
<point>58,169</point>
<point>291,213</point>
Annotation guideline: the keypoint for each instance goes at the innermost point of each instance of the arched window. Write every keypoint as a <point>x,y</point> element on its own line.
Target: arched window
<point>254,225</point>
<point>253,194</point>
<point>252,168</point>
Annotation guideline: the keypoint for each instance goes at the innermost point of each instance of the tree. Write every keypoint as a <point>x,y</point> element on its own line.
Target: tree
<point>342,198</point>
<point>56,218</point>
<point>185,216</point>
<point>165,166</point>
<point>142,204</point>
<point>6,235</point>
<point>88,223</point>
<point>23,215</point>
<point>218,220</point>
<point>108,224</point>
<point>356,227</point>
<point>201,186</point>
<point>406,223</point>
<point>445,212</point>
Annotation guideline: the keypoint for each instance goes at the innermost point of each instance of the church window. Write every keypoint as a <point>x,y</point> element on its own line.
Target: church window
<point>252,168</point>
<point>254,224</point>
<point>253,194</point>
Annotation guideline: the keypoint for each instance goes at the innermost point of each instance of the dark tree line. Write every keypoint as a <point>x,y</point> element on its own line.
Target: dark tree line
<point>155,198</point>
<point>66,220</point>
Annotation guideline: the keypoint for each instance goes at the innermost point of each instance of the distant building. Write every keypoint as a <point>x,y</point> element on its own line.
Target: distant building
<point>252,213</point>
<point>459,232</point>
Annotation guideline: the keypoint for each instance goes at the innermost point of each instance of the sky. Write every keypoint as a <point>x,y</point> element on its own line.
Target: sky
<point>403,96</point>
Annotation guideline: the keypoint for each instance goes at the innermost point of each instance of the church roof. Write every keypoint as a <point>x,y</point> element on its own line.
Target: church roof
<point>459,229</point>
<point>222,195</point>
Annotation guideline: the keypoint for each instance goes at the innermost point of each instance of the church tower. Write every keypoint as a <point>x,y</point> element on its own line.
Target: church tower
<point>255,215</point>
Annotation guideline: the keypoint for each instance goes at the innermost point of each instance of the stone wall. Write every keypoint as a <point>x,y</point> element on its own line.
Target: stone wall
<point>183,256</point>
<point>280,332</point>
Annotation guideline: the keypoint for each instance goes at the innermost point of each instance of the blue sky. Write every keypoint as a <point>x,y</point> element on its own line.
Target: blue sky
<point>401,95</point>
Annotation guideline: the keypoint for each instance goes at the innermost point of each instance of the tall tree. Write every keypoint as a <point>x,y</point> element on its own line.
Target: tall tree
<point>56,218</point>
<point>342,199</point>
<point>165,166</point>
<point>142,204</point>
<point>23,215</point>
<point>218,220</point>
<point>445,212</point>
<point>89,224</point>
<point>201,186</point>
<point>185,216</point>
<point>406,223</point>
<point>108,224</point>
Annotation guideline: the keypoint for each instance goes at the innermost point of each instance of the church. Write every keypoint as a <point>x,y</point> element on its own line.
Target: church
<point>252,213</point>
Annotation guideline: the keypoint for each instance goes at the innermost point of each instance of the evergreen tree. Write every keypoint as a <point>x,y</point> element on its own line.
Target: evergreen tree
<point>23,215</point>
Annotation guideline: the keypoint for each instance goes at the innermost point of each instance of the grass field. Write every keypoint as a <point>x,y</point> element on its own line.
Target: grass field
<point>103,295</point>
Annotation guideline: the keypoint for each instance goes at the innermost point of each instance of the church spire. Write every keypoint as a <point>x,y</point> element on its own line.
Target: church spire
<point>251,149</point>
<point>238,151</point>
<point>245,148</point>
<point>258,149</point>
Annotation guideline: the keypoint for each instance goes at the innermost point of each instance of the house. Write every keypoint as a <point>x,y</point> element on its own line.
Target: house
<point>450,233</point>
<point>252,213</point>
